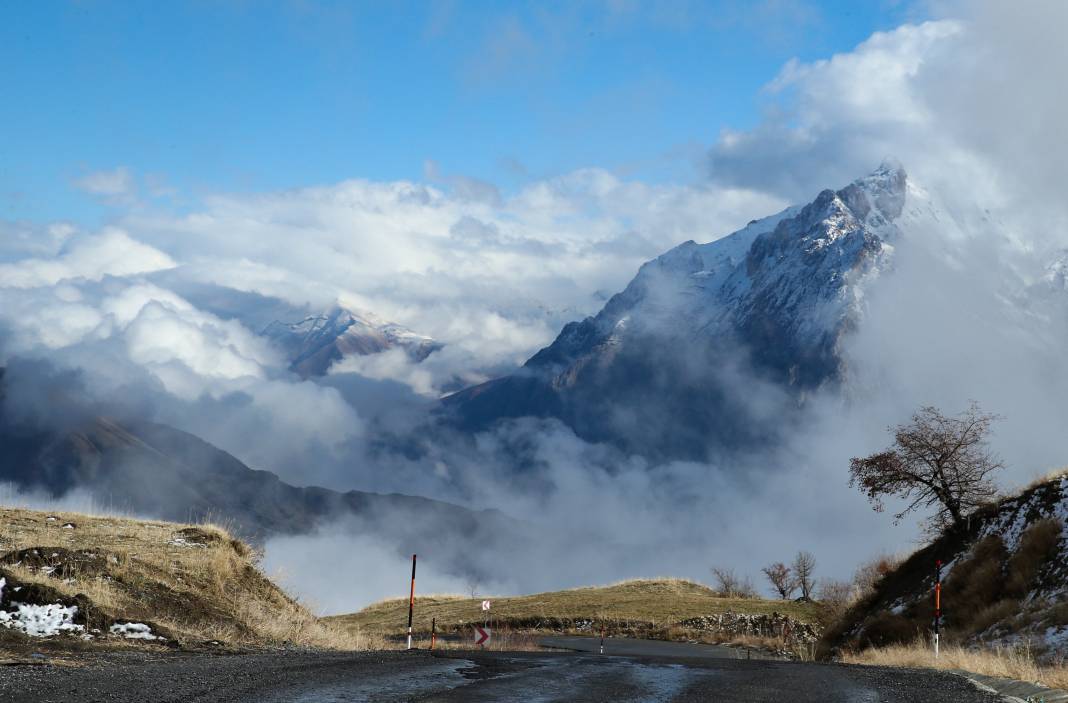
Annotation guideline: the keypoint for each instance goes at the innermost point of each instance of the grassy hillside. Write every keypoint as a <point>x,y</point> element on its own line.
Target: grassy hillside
<point>111,580</point>
<point>631,606</point>
<point>1005,583</point>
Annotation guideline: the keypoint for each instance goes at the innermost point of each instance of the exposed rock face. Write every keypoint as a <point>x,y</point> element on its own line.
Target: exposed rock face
<point>774,625</point>
<point>667,365</point>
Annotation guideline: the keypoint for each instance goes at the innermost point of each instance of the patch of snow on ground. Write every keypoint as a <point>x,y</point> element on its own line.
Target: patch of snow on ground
<point>134,631</point>
<point>1060,511</point>
<point>179,542</point>
<point>1057,638</point>
<point>41,620</point>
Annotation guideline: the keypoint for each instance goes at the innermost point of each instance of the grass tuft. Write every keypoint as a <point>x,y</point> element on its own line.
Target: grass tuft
<point>1001,662</point>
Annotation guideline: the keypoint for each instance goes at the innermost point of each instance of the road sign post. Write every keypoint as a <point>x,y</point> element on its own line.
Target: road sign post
<point>411,604</point>
<point>433,632</point>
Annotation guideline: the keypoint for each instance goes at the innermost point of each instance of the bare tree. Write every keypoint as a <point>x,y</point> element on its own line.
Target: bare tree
<point>804,567</point>
<point>935,461</point>
<point>730,585</point>
<point>870,573</point>
<point>836,596</point>
<point>781,579</point>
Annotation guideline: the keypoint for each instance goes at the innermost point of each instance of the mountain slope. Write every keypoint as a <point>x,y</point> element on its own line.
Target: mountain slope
<point>671,364</point>
<point>155,470</point>
<point>1005,582</point>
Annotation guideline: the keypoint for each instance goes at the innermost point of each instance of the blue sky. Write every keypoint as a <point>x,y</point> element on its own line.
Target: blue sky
<point>200,97</point>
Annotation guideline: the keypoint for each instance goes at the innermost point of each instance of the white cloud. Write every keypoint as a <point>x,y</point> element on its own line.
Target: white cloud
<point>496,277</point>
<point>110,253</point>
<point>964,102</point>
<point>116,185</point>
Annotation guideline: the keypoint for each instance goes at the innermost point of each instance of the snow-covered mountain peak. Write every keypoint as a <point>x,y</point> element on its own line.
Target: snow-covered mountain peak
<point>777,296</point>
<point>314,343</point>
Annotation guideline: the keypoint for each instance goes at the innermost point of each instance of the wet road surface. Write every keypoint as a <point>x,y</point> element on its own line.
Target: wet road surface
<point>387,677</point>
<point>626,647</point>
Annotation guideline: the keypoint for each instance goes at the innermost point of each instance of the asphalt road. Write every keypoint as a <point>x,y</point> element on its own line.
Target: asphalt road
<point>296,677</point>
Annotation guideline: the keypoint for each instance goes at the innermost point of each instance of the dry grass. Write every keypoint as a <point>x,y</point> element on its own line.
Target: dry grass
<point>1017,663</point>
<point>195,581</point>
<point>1052,475</point>
<point>627,606</point>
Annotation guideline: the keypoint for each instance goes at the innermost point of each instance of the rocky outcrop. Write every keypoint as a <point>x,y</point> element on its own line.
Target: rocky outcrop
<point>791,631</point>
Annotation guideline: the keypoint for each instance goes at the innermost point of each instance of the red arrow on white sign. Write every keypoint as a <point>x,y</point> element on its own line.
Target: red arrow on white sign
<point>482,635</point>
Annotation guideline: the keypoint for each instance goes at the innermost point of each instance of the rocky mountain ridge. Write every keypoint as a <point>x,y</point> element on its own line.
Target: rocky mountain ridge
<point>768,304</point>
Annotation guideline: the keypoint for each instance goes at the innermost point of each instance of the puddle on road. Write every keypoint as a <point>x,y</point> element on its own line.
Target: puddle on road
<point>564,680</point>
<point>663,683</point>
<point>550,681</point>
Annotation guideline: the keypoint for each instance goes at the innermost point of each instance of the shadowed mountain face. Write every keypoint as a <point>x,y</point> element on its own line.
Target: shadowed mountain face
<point>713,345</point>
<point>157,471</point>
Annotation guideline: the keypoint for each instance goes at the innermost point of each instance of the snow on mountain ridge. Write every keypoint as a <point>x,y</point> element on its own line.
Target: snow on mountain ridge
<point>316,342</point>
<point>771,301</point>
<point>800,268</point>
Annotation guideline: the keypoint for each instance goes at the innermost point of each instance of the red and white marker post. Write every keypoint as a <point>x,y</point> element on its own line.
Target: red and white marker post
<point>938,604</point>
<point>411,604</point>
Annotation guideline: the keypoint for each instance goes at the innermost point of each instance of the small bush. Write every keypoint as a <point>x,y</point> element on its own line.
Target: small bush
<point>976,583</point>
<point>991,615</point>
<point>1038,545</point>
<point>730,585</point>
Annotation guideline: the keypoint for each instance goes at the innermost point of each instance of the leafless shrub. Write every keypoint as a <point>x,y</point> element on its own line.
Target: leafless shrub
<point>781,578</point>
<point>870,573</point>
<point>730,585</point>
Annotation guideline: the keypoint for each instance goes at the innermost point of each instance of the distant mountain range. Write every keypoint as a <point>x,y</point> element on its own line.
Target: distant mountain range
<point>312,340</point>
<point>153,470</point>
